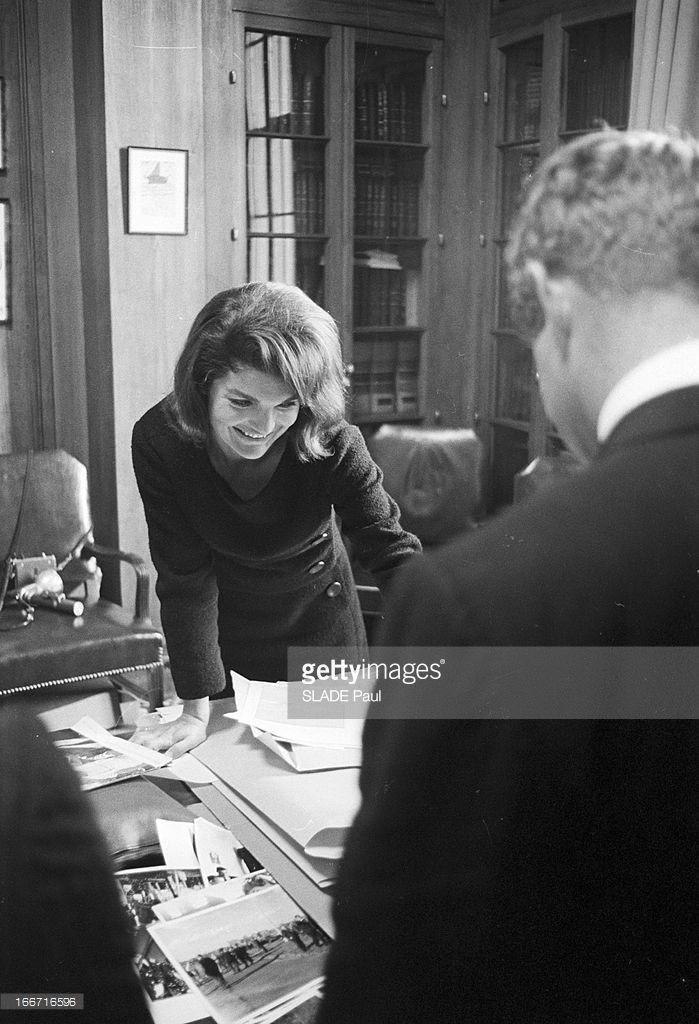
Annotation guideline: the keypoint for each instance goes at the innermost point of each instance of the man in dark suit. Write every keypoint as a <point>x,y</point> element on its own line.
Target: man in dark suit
<point>534,871</point>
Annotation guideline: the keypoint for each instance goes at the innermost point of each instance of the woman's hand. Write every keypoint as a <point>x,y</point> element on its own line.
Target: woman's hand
<point>176,738</point>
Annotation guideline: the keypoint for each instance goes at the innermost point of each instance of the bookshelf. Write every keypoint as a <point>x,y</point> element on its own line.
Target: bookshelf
<point>338,150</point>
<point>390,155</point>
<point>285,144</point>
<point>556,80</point>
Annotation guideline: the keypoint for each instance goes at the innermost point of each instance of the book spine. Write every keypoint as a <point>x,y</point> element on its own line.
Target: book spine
<point>361,123</point>
<point>361,198</point>
<point>307,112</point>
<point>296,121</point>
<point>403,133</point>
<point>382,107</point>
<point>372,113</point>
<point>394,207</point>
<point>407,377</point>
<point>383,378</point>
<point>320,203</point>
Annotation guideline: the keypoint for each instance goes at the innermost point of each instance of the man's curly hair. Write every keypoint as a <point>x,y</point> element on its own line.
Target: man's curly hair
<point>615,211</point>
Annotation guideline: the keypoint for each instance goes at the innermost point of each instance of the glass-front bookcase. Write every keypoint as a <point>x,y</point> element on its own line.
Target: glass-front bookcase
<point>286,145</point>
<point>339,142</point>
<point>555,84</point>
<point>388,179</point>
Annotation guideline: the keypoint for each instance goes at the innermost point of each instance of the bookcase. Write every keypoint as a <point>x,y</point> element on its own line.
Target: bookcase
<point>285,159</point>
<point>339,144</point>
<point>567,75</point>
<point>388,231</point>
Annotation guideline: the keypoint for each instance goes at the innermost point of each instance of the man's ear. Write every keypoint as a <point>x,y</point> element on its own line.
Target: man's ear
<point>555,297</point>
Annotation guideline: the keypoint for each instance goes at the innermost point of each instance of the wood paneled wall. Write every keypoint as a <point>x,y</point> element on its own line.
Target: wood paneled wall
<point>26,387</point>
<point>459,277</point>
<point>153,96</point>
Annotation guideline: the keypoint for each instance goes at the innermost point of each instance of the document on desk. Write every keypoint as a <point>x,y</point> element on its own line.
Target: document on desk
<point>265,706</point>
<point>314,809</point>
<point>306,745</point>
<point>304,758</point>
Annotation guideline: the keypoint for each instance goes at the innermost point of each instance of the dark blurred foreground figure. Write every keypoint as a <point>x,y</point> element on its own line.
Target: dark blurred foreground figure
<point>545,872</point>
<point>62,927</point>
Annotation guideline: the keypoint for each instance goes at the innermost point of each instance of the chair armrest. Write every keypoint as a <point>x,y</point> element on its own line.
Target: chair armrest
<point>370,599</point>
<point>371,605</point>
<point>142,611</point>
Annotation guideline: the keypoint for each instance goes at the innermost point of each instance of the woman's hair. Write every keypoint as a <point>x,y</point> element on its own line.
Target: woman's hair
<point>273,328</point>
<point>612,210</point>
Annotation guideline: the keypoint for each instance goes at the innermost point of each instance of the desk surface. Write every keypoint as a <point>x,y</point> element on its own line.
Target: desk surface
<point>276,812</point>
<point>287,870</point>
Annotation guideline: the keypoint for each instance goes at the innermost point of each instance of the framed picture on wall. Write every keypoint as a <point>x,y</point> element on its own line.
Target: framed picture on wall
<point>4,261</point>
<point>157,191</point>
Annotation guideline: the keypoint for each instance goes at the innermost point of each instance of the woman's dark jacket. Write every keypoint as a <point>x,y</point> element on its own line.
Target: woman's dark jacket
<point>241,580</point>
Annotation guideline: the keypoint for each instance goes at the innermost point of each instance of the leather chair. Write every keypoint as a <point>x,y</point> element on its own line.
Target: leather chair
<point>435,476</point>
<point>58,656</point>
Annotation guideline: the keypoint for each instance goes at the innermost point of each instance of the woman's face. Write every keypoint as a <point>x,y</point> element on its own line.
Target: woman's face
<point>249,410</point>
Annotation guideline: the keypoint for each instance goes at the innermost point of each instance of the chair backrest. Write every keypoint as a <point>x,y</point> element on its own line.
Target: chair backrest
<point>56,517</point>
<point>435,476</point>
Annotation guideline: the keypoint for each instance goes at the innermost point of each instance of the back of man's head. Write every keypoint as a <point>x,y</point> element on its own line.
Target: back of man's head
<point>613,211</point>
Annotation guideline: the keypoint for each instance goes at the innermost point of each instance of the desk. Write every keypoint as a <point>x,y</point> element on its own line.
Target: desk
<point>316,902</point>
<point>306,878</point>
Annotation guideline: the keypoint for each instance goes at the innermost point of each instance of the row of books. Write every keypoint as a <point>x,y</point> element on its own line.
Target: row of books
<point>300,113</point>
<point>514,386</point>
<point>389,111</point>
<point>305,116</point>
<point>286,187</point>
<point>386,377</point>
<point>280,97</point>
<point>309,199</point>
<point>385,203</point>
<point>526,115</point>
<point>379,297</point>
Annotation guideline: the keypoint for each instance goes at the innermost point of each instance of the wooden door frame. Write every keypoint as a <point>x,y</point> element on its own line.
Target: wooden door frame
<point>30,350</point>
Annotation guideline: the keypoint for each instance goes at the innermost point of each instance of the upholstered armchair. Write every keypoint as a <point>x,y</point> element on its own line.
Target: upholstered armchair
<point>59,655</point>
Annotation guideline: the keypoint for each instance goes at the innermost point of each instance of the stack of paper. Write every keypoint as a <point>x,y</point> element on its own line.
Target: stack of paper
<point>307,811</point>
<point>305,744</point>
<point>377,259</point>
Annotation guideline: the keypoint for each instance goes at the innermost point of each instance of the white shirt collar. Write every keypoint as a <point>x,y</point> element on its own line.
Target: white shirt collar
<point>669,370</point>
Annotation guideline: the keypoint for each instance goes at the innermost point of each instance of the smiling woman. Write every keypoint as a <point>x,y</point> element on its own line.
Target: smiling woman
<point>249,412</point>
<point>244,471</point>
